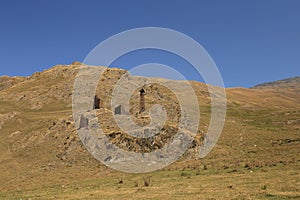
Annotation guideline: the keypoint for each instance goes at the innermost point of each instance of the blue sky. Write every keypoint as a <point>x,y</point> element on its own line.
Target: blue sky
<point>250,41</point>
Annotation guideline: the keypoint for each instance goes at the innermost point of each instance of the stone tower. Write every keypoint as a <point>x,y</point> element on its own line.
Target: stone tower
<point>97,102</point>
<point>142,100</point>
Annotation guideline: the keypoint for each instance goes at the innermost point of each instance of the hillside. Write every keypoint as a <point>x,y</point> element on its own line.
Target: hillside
<point>41,155</point>
<point>292,83</point>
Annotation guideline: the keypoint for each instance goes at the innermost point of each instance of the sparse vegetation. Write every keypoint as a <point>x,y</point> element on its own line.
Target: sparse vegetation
<point>42,157</point>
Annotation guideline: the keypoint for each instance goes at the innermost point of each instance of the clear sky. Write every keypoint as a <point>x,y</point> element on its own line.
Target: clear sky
<point>250,41</point>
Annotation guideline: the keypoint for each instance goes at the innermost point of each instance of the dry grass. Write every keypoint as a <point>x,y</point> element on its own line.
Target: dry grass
<point>256,157</point>
<point>275,183</point>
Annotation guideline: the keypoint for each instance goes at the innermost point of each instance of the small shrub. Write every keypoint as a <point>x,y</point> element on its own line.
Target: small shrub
<point>264,187</point>
<point>183,173</point>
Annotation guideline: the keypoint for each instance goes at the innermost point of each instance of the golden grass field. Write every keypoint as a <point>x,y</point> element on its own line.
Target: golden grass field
<point>41,156</point>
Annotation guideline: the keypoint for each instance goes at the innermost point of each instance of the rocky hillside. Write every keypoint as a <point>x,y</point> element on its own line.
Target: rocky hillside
<point>7,82</point>
<point>291,83</point>
<point>39,141</point>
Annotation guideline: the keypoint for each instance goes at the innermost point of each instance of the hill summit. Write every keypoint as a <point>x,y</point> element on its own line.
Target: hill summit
<point>284,83</point>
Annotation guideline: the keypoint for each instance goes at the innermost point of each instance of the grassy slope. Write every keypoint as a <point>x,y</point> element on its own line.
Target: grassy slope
<point>257,156</point>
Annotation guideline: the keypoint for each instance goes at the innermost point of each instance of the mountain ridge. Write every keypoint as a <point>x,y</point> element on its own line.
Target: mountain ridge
<point>293,82</point>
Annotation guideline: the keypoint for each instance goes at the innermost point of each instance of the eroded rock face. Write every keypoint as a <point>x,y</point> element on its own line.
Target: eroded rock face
<point>84,122</point>
<point>120,119</point>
